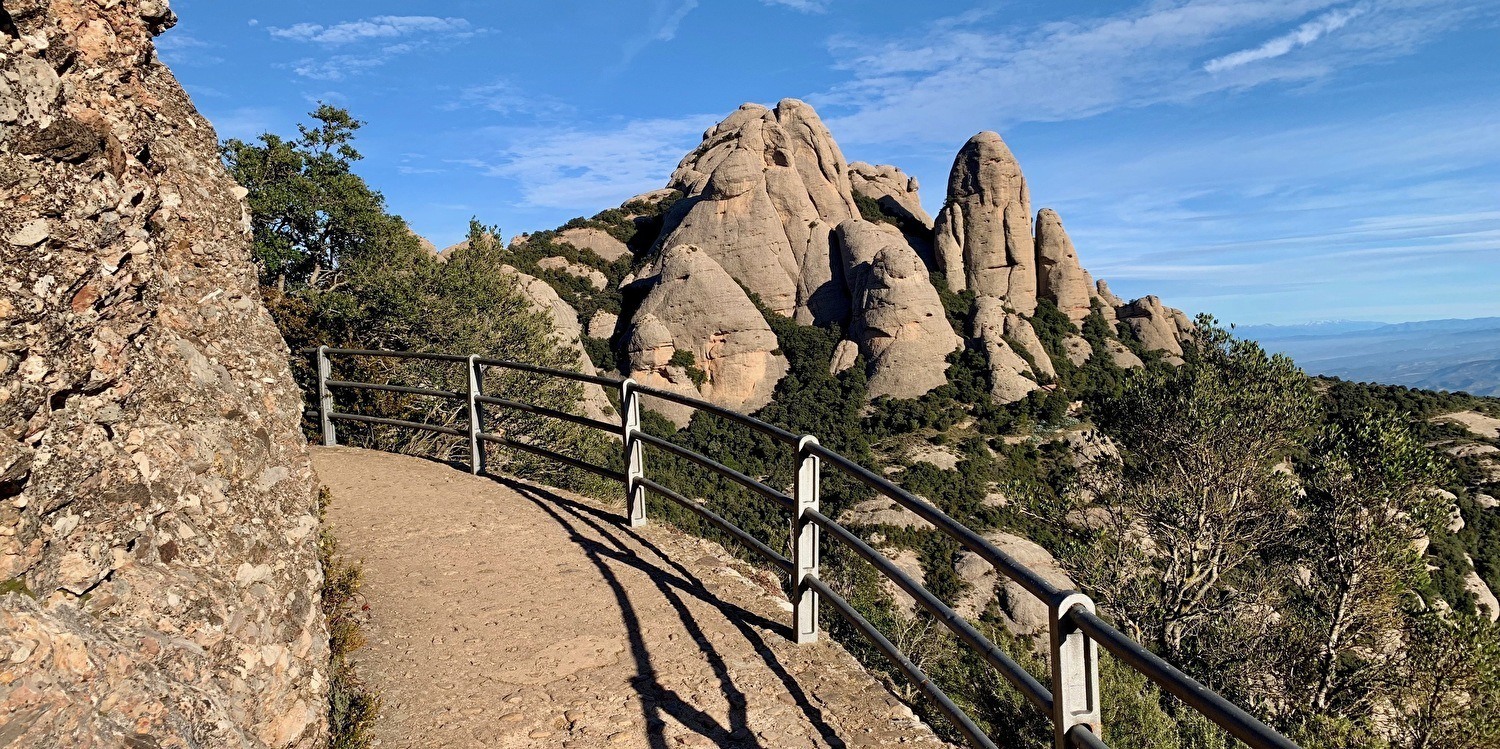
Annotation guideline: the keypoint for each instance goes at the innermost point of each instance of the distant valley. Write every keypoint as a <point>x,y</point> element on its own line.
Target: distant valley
<point>1436,354</point>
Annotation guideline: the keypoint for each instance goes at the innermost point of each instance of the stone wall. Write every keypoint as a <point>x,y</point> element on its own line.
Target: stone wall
<point>157,528</point>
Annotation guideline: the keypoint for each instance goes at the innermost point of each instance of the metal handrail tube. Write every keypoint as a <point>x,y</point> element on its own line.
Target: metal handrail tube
<point>1222,712</point>
<point>781,562</point>
<point>956,714</point>
<point>396,423</point>
<point>1020,678</point>
<point>536,369</point>
<point>1007,565</point>
<point>396,354</point>
<point>1081,737</point>
<point>544,452</point>
<point>701,405</point>
<point>603,426</point>
<point>713,465</point>
<point>409,390</point>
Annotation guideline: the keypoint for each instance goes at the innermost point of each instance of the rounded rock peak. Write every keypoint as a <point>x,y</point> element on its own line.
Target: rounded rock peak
<point>988,143</point>
<point>893,262</point>
<point>735,175</point>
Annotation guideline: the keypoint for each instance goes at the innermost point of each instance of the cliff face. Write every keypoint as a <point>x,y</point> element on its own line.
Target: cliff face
<point>156,499</point>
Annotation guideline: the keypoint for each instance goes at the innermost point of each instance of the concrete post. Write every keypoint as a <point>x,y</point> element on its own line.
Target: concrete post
<point>476,417</point>
<point>325,398</point>
<point>635,466</point>
<point>805,543</point>
<point>1075,670</point>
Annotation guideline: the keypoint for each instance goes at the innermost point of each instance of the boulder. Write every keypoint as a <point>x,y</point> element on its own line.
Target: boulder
<point>602,325</point>
<point>763,192</point>
<point>695,306</point>
<point>882,511</point>
<point>1122,356</point>
<point>158,501</point>
<point>1485,601</point>
<point>1008,370</point>
<point>597,241</point>
<point>577,270</point>
<point>983,239</point>
<point>1020,331</point>
<point>1087,447</point>
<point>909,562</point>
<point>567,333</point>
<point>1157,326</point>
<point>845,355</point>
<point>1022,613</point>
<point>1060,278</point>
<point>898,319</point>
<point>892,189</point>
<point>1077,349</point>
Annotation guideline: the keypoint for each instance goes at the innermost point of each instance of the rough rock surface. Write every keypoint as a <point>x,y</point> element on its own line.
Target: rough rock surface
<point>1157,326</point>
<point>1022,613</point>
<point>578,270</point>
<point>1019,330</point>
<point>158,500</point>
<point>882,511</point>
<point>1008,369</point>
<point>1059,276</point>
<point>696,307</point>
<point>909,562</point>
<point>764,190</point>
<point>1122,356</point>
<point>602,324</point>
<point>598,241</point>
<point>1484,598</point>
<point>566,332</point>
<point>1077,349</point>
<point>983,236</point>
<point>898,319</point>
<point>891,188</point>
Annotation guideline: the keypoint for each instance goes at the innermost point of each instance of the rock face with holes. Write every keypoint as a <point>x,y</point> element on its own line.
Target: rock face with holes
<point>158,510</point>
<point>984,240</point>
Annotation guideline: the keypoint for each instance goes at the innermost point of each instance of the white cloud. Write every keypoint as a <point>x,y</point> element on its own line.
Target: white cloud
<point>1302,36</point>
<point>803,6</point>
<point>337,67</point>
<point>377,27</point>
<point>583,170</point>
<point>661,26</point>
<point>506,98</point>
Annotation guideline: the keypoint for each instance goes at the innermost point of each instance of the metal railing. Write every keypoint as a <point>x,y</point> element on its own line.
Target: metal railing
<point>1071,700</point>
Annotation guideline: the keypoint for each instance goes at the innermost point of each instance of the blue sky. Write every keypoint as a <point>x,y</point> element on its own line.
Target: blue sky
<point>1266,161</point>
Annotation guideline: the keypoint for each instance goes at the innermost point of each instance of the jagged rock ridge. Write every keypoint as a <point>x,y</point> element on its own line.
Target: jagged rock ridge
<point>158,508</point>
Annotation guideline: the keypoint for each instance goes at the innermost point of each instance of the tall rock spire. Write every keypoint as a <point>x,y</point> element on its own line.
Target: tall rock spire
<point>983,234</point>
<point>1060,278</point>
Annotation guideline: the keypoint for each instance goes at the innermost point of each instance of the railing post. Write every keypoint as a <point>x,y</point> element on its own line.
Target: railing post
<point>476,417</point>
<point>635,466</point>
<point>325,398</point>
<point>1075,670</point>
<point>805,543</point>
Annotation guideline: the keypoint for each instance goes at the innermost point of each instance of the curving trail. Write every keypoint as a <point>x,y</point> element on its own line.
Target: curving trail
<point>507,615</point>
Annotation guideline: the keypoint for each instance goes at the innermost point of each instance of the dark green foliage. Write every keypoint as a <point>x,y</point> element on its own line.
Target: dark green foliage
<point>870,210</point>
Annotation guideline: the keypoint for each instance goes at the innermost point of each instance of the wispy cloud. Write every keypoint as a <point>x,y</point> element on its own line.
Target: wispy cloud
<point>803,6</point>
<point>661,26</point>
<point>1302,36</point>
<point>505,97</point>
<point>985,71</point>
<point>179,49</point>
<point>585,169</point>
<point>377,27</point>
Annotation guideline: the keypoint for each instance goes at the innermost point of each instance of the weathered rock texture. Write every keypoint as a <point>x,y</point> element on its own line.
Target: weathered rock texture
<point>1059,276</point>
<point>696,307</point>
<point>983,234</point>
<point>1008,369</point>
<point>1157,326</point>
<point>892,189</point>
<point>898,321</point>
<point>1022,613</point>
<point>567,333</point>
<point>598,241</point>
<point>157,495</point>
<point>764,191</point>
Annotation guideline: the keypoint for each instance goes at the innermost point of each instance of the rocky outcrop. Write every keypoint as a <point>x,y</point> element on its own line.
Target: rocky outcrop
<point>1019,331</point>
<point>1059,276</point>
<point>1008,369</point>
<point>892,189</point>
<point>158,502</point>
<point>898,319</point>
<point>1122,356</point>
<point>597,241</point>
<point>1157,326</point>
<point>602,325</point>
<point>567,334</point>
<point>1022,613</point>
<point>696,307</point>
<point>882,511</point>
<point>983,239</point>
<point>764,190</point>
<point>577,270</point>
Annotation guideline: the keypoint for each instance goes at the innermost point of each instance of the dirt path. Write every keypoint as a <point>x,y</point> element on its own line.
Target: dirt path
<point>510,616</point>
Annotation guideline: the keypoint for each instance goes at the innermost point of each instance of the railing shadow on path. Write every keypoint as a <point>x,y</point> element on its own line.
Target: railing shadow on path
<point>657,698</point>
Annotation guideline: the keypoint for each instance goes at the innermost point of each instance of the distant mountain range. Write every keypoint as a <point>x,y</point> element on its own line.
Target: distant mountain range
<point>1434,354</point>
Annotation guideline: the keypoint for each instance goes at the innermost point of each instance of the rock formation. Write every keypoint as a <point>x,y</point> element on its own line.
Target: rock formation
<point>696,307</point>
<point>1008,369</point>
<point>158,502</point>
<point>1059,276</point>
<point>1022,613</point>
<point>596,241</point>
<point>577,270</point>
<point>983,236</point>
<point>892,189</point>
<point>764,191</point>
<point>1157,326</point>
<point>898,319</point>
<point>567,333</point>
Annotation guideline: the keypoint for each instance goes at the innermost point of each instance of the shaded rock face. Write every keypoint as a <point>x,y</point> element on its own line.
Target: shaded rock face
<point>983,234</point>
<point>696,307</point>
<point>891,188</point>
<point>1059,276</point>
<point>157,494</point>
<point>567,333</point>
<point>898,320</point>
<point>764,191</point>
<point>1008,369</point>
